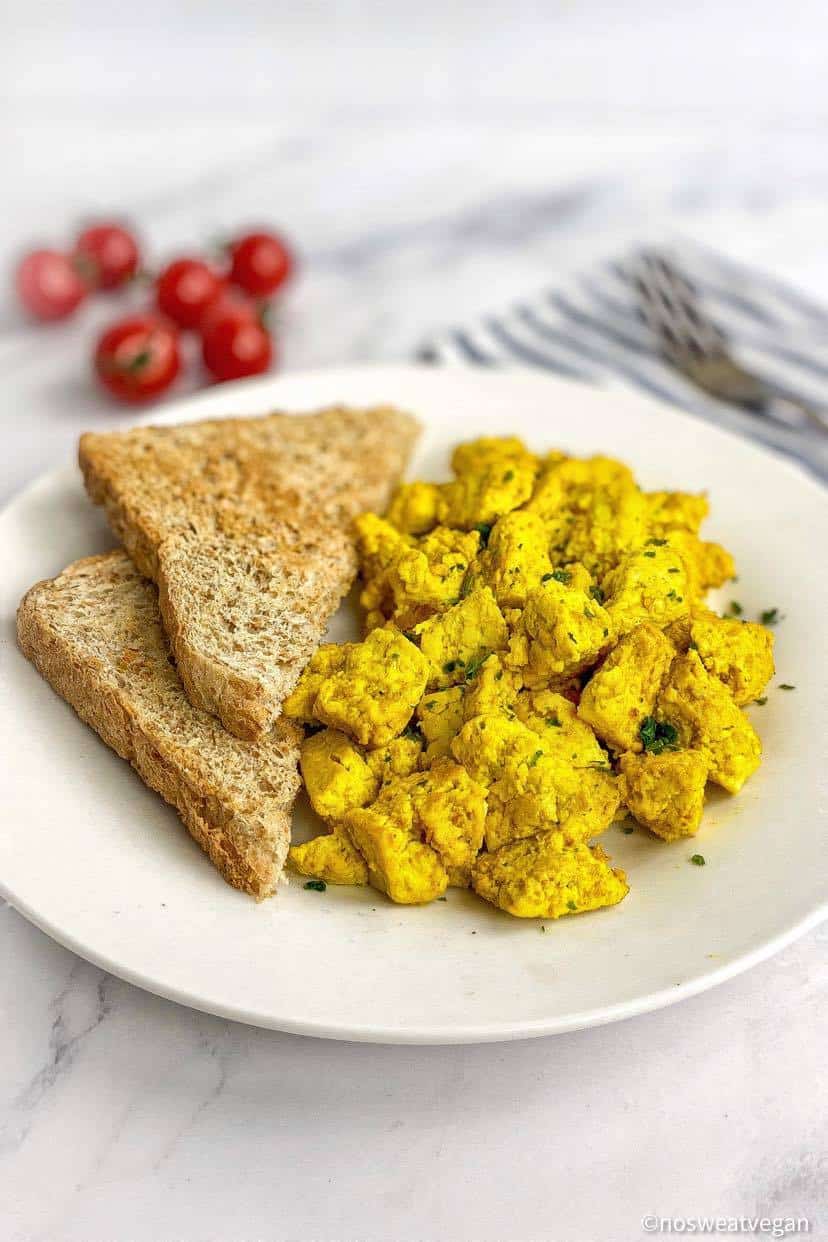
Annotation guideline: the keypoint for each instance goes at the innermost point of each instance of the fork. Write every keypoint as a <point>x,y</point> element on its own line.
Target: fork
<point>698,348</point>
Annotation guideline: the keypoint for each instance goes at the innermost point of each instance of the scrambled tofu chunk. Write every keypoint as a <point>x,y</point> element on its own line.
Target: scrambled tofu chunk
<point>739,653</point>
<point>456,640</point>
<point>707,719</point>
<point>428,576</point>
<point>336,774</point>
<point>493,477</point>
<point>561,631</point>
<point>373,695</point>
<point>671,511</point>
<point>516,558</point>
<point>531,785</point>
<point>665,792</point>
<point>624,689</point>
<point>450,811</point>
<point>379,546</point>
<point>331,857</point>
<point>707,565</point>
<point>491,689</point>
<point>441,717</point>
<point>414,507</point>
<point>326,660</point>
<point>649,584</point>
<point>399,757</point>
<point>565,737</point>
<point>546,876</point>
<point>398,860</point>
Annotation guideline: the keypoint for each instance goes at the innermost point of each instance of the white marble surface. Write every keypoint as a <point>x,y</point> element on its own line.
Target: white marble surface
<point>430,165</point>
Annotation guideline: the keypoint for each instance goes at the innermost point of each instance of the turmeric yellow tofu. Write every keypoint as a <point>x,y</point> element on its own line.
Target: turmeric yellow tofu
<point>561,631</point>
<point>493,477</point>
<point>706,718</point>
<point>547,876</point>
<point>564,735</point>
<point>414,507</point>
<point>331,857</point>
<point>649,584</point>
<point>325,660</point>
<point>398,860</point>
<point>399,757</point>
<point>450,811</point>
<point>539,655</point>
<point>516,558</point>
<point>739,653</point>
<point>665,792</point>
<point>671,511</point>
<point>441,717</point>
<point>335,774</point>
<point>373,695</point>
<point>454,642</point>
<point>429,576</point>
<point>490,689</point>
<point>624,689</point>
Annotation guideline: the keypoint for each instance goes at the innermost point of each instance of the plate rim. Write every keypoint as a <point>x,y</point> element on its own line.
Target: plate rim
<point>198,405</point>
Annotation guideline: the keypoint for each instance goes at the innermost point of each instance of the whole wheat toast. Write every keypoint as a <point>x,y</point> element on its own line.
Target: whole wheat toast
<point>244,524</point>
<point>95,634</point>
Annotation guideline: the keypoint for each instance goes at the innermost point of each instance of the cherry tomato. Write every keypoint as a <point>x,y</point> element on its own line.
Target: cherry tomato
<point>111,253</point>
<point>230,304</point>
<point>234,347</point>
<point>261,263</point>
<point>138,358</point>
<point>186,288</point>
<point>49,285</point>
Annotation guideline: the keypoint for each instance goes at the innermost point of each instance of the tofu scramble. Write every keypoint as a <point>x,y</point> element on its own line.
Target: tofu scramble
<point>538,662</point>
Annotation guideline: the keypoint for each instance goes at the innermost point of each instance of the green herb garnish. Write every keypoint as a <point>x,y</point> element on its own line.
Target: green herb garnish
<point>552,722</point>
<point>570,905</point>
<point>761,701</point>
<point>698,860</point>
<point>474,666</point>
<point>537,755</point>
<point>649,553</point>
<point>658,736</point>
<point>560,575</point>
<point>783,685</point>
<point>484,529</point>
<point>656,543</point>
<point>770,616</point>
<point>627,829</point>
<point>597,594</point>
<point>318,886</point>
<point>508,476</point>
<point>735,608</point>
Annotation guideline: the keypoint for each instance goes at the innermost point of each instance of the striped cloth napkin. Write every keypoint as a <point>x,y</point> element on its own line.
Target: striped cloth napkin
<point>590,329</point>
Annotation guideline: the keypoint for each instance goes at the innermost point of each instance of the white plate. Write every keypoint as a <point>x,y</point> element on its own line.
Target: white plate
<point>101,864</point>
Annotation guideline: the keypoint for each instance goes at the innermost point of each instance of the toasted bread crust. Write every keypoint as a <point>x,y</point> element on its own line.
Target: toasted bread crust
<point>95,635</point>
<point>260,510</point>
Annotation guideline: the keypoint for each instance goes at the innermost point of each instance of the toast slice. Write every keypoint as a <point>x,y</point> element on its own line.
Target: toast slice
<point>244,524</point>
<point>95,634</point>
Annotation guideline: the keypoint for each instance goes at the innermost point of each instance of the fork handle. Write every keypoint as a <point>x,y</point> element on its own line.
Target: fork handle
<point>793,412</point>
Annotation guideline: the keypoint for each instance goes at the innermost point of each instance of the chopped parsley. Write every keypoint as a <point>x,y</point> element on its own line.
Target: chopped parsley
<point>560,575</point>
<point>552,722</point>
<point>770,616</point>
<point>572,637</point>
<point>599,765</point>
<point>318,886</point>
<point>735,608</point>
<point>474,666</point>
<point>783,685</point>
<point>761,701</point>
<point>484,529</point>
<point>597,594</point>
<point>588,613</point>
<point>508,476</point>
<point>412,733</point>
<point>537,755</point>
<point>656,543</point>
<point>451,665</point>
<point>673,570</point>
<point>627,829</point>
<point>570,905</point>
<point>698,860</point>
<point>658,736</point>
<point>649,553</point>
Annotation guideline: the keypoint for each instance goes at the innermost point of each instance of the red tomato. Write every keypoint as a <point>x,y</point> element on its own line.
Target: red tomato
<point>111,254</point>
<point>48,284</point>
<point>186,288</point>
<point>230,304</point>
<point>234,347</point>
<point>261,263</point>
<point>138,358</point>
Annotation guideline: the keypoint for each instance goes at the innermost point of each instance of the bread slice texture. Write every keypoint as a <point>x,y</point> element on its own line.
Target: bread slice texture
<point>245,526</point>
<point>95,634</point>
